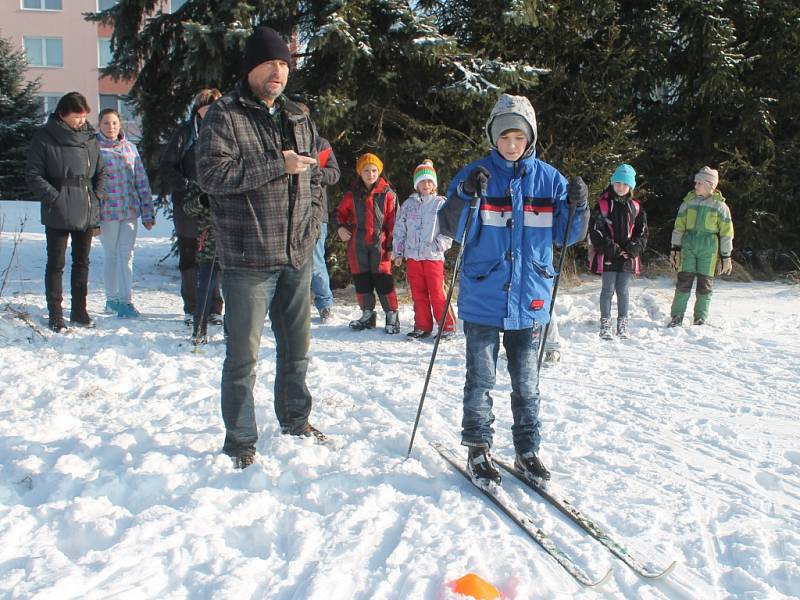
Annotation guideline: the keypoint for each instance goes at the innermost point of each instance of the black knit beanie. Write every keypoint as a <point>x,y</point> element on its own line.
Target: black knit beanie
<point>264,44</point>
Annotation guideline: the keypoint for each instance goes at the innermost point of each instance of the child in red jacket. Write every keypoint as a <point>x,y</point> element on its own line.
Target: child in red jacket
<point>366,222</point>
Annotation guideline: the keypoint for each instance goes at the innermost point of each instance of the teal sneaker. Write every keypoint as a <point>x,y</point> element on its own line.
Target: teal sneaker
<point>112,306</point>
<point>128,311</point>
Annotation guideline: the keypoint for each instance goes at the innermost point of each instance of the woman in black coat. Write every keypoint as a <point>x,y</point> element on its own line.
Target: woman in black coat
<point>65,173</point>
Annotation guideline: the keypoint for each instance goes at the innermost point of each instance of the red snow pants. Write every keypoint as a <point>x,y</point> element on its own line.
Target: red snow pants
<point>426,279</point>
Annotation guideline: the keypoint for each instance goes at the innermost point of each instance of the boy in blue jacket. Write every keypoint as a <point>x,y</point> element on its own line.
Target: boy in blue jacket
<point>507,276</point>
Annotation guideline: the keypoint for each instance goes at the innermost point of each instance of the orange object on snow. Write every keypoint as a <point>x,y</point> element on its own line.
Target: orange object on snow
<point>472,585</point>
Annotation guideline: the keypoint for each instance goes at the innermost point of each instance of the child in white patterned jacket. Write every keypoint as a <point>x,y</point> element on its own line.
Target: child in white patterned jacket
<point>417,239</point>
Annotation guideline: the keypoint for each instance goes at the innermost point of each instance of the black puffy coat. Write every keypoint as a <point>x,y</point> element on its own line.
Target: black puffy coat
<point>64,172</point>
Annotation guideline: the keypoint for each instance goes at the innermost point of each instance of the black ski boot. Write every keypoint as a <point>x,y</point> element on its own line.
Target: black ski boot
<point>481,468</point>
<point>392,322</point>
<point>677,321</point>
<point>367,320</point>
<point>529,465</point>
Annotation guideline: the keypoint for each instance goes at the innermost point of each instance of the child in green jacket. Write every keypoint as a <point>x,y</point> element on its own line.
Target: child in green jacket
<point>703,230</point>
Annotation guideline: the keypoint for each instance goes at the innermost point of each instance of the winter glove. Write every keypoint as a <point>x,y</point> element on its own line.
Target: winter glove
<point>612,250</point>
<point>727,266</point>
<point>675,258</point>
<point>344,234</point>
<point>475,181</point>
<point>577,192</point>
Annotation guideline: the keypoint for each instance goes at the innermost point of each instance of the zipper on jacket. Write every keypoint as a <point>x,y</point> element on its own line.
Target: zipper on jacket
<point>88,196</point>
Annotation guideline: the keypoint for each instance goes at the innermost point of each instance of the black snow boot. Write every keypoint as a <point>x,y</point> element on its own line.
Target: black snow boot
<point>56,323</point>
<point>481,468</point>
<point>367,320</point>
<point>392,322</point>
<point>677,321</point>
<point>80,318</point>
<point>531,467</point>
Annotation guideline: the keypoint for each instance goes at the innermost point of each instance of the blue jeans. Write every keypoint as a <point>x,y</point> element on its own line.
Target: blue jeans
<point>320,280</point>
<point>249,295</point>
<point>483,345</point>
<point>618,282</point>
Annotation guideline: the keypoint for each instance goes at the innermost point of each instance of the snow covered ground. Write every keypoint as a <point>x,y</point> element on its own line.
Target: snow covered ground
<point>684,442</point>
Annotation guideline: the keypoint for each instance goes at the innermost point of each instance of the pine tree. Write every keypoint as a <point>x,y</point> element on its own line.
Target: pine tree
<point>20,116</point>
<point>170,56</point>
<point>383,79</point>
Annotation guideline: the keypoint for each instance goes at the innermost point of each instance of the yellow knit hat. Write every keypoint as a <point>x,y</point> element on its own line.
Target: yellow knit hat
<point>368,159</point>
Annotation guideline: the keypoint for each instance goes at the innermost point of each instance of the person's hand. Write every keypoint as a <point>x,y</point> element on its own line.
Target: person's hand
<point>398,260</point>
<point>95,231</point>
<point>675,259</point>
<point>148,225</point>
<point>389,255</point>
<point>577,192</point>
<point>344,234</point>
<point>475,181</point>
<point>727,266</point>
<point>296,163</point>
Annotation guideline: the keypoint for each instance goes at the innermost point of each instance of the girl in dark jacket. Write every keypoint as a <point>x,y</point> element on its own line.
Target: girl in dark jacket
<point>65,173</point>
<point>618,236</point>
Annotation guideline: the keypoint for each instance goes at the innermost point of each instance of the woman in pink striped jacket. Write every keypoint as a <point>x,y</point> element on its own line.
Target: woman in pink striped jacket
<point>128,198</point>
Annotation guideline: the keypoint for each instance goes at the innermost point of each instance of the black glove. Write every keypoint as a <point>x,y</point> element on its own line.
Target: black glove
<point>577,192</point>
<point>476,181</point>
<point>204,200</point>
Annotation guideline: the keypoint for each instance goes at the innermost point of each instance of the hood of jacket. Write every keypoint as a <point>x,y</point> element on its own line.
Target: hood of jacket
<point>513,105</point>
<point>64,135</point>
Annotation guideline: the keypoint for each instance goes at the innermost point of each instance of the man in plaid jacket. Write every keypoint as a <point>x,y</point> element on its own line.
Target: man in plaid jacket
<point>257,162</point>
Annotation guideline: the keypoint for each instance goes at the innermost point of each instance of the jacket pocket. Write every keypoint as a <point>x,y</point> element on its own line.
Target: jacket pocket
<point>543,270</point>
<point>480,269</point>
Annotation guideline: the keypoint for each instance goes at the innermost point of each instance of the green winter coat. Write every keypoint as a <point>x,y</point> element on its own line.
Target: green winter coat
<point>703,231</point>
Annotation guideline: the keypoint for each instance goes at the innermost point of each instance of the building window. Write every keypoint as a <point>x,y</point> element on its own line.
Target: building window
<point>176,4</point>
<point>47,103</point>
<point>118,103</point>
<point>106,4</point>
<point>41,4</point>
<point>103,52</point>
<point>44,52</point>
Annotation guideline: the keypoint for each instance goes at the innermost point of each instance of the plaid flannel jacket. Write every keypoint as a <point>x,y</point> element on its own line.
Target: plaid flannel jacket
<point>263,217</point>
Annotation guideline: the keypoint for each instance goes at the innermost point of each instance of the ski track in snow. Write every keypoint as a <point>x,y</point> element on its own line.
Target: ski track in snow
<point>683,442</point>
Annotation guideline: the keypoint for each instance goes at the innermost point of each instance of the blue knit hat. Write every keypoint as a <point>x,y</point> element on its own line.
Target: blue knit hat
<point>624,174</point>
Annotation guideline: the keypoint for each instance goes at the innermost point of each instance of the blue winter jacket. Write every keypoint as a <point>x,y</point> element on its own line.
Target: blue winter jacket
<point>507,267</point>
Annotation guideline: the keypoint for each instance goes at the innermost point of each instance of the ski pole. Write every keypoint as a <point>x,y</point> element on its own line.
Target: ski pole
<point>203,315</point>
<point>456,268</point>
<point>555,284</point>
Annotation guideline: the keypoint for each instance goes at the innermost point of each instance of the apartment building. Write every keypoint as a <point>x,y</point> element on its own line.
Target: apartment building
<point>66,52</point>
